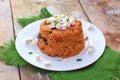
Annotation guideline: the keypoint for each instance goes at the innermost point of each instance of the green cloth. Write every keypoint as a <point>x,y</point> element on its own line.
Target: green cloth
<point>106,68</point>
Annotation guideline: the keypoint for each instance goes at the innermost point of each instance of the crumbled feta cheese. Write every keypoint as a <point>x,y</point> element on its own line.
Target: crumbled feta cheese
<point>68,25</point>
<point>58,26</point>
<point>72,20</point>
<point>47,63</point>
<point>28,40</point>
<point>90,47</point>
<point>61,21</point>
<point>37,57</point>
<point>90,27</point>
<point>90,50</point>
<point>64,60</point>
<point>35,41</point>
<point>52,25</point>
<point>51,19</point>
<point>64,20</point>
<point>63,26</point>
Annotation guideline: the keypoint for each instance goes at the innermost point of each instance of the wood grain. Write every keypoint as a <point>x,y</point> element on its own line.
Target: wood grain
<point>102,14</point>
<point>6,33</point>
<point>25,8</point>
<point>105,14</point>
<point>113,40</point>
<point>8,72</point>
<point>27,74</point>
<point>5,22</point>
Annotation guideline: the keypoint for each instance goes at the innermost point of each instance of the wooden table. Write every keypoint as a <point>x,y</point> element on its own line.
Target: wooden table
<point>103,13</point>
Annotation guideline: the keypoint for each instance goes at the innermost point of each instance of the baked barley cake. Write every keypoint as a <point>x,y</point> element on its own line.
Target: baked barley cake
<point>61,36</point>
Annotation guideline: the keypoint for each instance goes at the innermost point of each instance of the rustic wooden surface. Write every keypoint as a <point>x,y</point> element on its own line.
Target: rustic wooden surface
<point>6,33</point>
<point>105,14</point>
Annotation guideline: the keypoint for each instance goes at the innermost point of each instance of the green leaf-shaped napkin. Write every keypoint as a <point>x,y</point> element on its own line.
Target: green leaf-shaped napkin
<point>106,68</point>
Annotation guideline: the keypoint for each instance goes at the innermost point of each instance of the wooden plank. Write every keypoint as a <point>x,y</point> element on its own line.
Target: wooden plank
<point>6,33</point>
<point>30,7</point>
<point>113,40</point>
<point>25,8</point>
<point>105,14</point>
<point>5,22</point>
<point>7,72</point>
<point>27,74</point>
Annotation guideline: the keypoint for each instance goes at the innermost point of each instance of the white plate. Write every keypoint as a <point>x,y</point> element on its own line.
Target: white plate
<point>95,36</point>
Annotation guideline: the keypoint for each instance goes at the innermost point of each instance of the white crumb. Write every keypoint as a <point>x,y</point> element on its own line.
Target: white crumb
<point>34,42</point>
<point>28,40</point>
<point>64,60</point>
<point>90,50</point>
<point>37,57</point>
<point>90,27</point>
<point>47,63</point>
<point>90,47</point>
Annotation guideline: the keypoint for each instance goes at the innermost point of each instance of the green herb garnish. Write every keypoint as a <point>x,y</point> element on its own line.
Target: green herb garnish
<point>67,19</point>
<point>30,52</point>
<point>86,38</point>
<point>78,59</point>
<point>56,21</point>
<point>59,60</point>
<point>55,16</point>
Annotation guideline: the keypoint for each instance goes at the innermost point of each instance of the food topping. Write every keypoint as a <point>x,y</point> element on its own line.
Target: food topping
<point>28,40</point>
<point>38,57</point>
<point>78,59</point>
<point>90,27</point>
<point>34,42</point>
<point>86,38</point>
<point>60,21</point>
<point>47,63</point>
<point>90,47</point>
<point>30,52</point>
